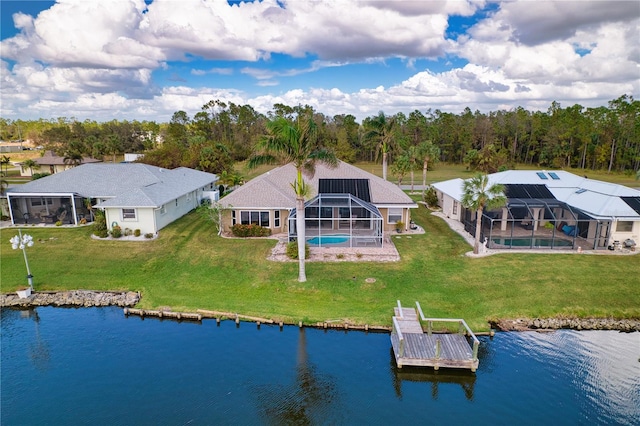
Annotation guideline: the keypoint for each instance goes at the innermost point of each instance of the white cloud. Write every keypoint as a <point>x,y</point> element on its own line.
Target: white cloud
<point>95,59</point>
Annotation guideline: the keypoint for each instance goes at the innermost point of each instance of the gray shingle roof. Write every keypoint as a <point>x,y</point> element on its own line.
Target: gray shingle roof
<point>273,189</point>
<point>126,184</point>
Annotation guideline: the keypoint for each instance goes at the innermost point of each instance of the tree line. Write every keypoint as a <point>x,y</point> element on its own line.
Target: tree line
<point>223,133</point>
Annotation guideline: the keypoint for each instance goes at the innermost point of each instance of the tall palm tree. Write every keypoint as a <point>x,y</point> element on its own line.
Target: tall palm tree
<point>382,128</point>
<point>477,195</point>
<point>295,143</point>
<point>428,152</point>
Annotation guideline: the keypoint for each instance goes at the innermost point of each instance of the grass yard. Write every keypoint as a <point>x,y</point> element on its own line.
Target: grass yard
<point>189,267</point>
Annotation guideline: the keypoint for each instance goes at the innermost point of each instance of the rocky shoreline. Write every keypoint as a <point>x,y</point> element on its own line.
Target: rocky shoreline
<point>548,324</point>
<point>79,298</point>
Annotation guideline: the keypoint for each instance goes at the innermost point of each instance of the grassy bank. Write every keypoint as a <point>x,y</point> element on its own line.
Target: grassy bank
<point>188,267</point>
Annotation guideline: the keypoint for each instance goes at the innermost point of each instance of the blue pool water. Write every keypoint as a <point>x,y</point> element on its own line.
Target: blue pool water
<point>537,242</point>
<point>326,240</point>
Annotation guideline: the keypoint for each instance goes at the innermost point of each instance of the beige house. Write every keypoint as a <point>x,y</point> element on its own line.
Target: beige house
<point>52,164</point>
<point>347,206</point>
<point>551,209</point>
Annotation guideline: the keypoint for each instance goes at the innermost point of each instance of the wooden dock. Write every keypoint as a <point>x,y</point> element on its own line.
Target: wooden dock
<point>413,346</point>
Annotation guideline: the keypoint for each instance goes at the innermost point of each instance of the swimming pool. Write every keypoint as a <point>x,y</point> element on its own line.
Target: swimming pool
<point>537,242</point>
<point>326,240</point>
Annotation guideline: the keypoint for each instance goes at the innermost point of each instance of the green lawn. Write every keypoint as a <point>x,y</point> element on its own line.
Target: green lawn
<point>189,267</point>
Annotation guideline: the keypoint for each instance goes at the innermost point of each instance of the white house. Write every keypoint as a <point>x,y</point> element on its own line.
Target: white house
<point>555,209</point>
<point>132,195</point>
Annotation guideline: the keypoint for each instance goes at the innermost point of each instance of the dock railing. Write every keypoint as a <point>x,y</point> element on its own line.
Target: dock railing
<point>396,330</point>
<point>462,326</point>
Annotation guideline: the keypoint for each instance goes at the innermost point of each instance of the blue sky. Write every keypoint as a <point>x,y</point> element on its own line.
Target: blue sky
<point>137,59</point>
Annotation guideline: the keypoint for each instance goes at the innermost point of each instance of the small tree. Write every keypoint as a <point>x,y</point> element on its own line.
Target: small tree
<point>30,164</point>
<point>213,213</point>
<point>477,195</point>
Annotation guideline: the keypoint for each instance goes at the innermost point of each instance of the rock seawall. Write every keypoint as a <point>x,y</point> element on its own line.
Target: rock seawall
<point>527,324</point>
<point>84,298</point>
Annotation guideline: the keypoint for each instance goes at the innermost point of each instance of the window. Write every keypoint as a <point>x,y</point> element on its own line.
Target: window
<point>163,209</point>
<point>176,202</point>
<point>260,218</point>
<point>624,226</point>
<point>41,201</point>
<point>233,217</point>
<point>128,214</point>
<point>276,219</point>
<point>394,215</point>
<point>455,207</point>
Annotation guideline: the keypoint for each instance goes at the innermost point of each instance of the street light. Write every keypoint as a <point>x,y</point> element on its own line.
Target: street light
<point>22,242</point>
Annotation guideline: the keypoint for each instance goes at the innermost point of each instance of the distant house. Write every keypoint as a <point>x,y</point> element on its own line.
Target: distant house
<point>132,195</point>
<point>348,205</point>
<point>551,209</point>
<point>52,163</point>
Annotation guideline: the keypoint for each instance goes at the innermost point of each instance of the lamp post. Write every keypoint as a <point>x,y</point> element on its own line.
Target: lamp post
<point>22,242</point>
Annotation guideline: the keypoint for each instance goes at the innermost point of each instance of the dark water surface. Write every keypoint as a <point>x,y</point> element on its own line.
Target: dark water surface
<point>95,366</point>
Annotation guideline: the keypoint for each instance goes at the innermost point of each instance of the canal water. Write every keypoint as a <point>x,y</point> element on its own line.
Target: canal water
<point>94,366</point>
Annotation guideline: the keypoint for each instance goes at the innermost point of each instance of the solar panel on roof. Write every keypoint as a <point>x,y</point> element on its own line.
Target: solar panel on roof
<point>528,191</point>
<point>633,202</point>
<point>356,187</point>
<point>542,176</point>
<point>554,176</point>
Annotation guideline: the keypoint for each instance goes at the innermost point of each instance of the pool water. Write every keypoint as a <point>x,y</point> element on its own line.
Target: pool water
<point>527,242</point>
<point>328,240</point>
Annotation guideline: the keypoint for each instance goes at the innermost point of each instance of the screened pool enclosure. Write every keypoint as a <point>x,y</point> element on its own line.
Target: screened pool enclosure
<point>534,219</point>
<point>339,220</point>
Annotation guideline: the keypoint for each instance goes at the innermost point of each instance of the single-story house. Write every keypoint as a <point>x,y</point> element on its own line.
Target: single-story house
<point>551,209</point>
<point>348,206</point>
<point>132,195</point>
<point>52,164</point>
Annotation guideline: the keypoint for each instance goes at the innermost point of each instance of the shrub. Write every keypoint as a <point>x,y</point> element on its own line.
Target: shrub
<point>83,221</point>
<point>116,232</point>
<point>430,197</point>
<point>128,232</point>
<point>148,235</point>
<point>100,225</point>
<point>59,223</point>
<point>136,233</point>
<point>292,250</point>
<point>250,230</point>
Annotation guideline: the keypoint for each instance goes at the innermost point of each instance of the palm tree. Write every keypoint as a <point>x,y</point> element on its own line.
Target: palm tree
<point>5,161</point>
<point>31,164</point>
<point>72,158</point>
<point>294,143</point>
<point>428,152</point>
<point>382,128</point>
<point>477,195</point>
